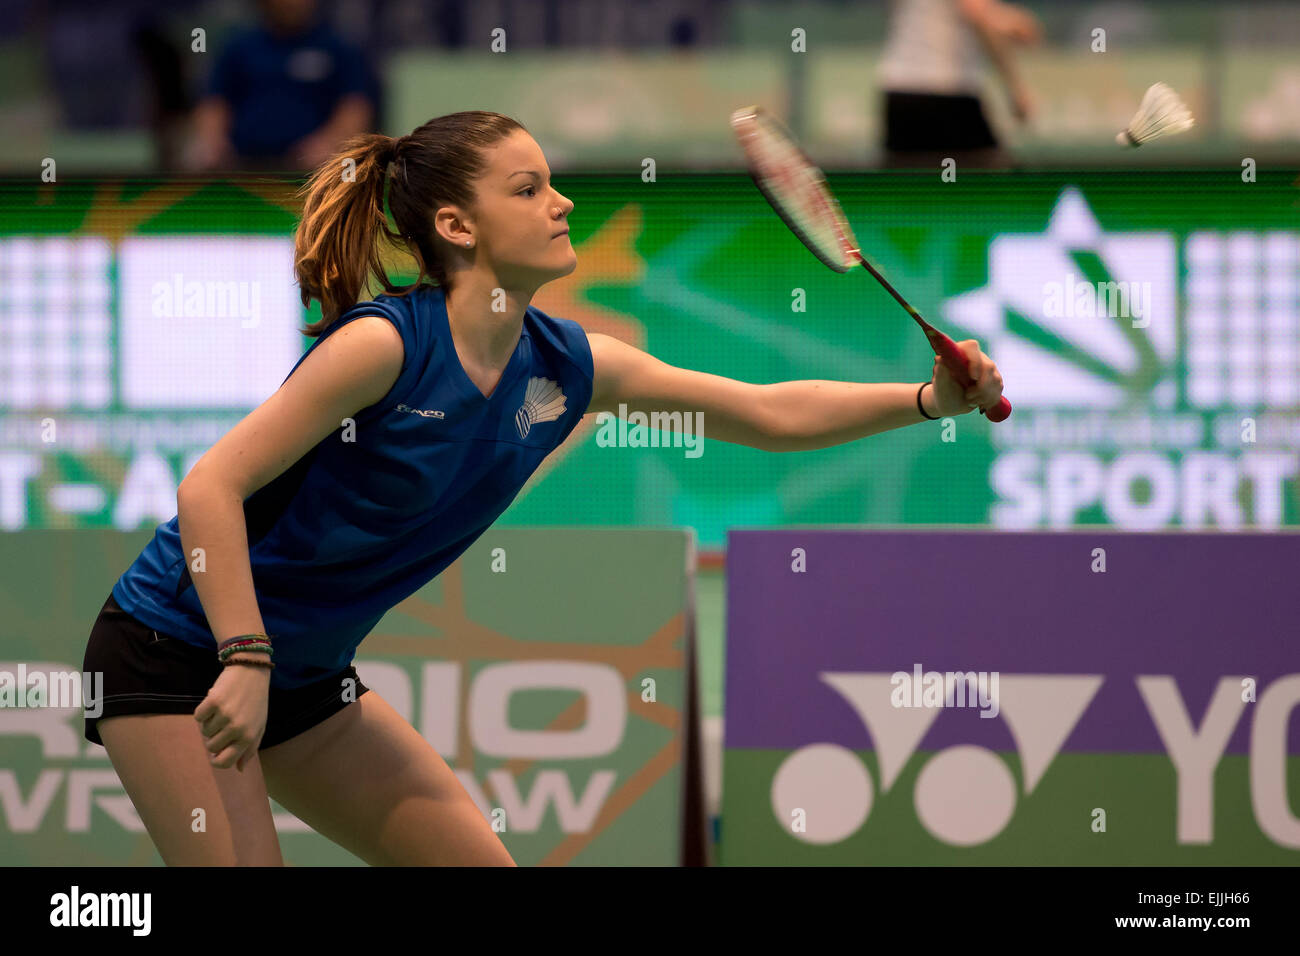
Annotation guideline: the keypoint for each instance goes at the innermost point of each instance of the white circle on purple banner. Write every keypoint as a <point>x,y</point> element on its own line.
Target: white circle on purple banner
<point>830,784</point>
<point>965,795</point>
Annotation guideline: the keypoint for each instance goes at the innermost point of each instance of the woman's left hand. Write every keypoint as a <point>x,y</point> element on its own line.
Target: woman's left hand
<point>950,398</point>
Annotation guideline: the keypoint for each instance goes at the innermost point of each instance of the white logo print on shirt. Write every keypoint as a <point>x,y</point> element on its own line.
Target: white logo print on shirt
<point>543,402</point>
<point>426,412</point>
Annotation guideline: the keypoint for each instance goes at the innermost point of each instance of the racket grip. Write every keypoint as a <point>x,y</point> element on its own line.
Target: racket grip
<point>956,362</point>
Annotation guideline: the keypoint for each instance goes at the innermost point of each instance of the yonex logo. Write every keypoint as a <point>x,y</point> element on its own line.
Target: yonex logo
<point>836,790</point>
<point>966,795</point>
<point>426,412</point>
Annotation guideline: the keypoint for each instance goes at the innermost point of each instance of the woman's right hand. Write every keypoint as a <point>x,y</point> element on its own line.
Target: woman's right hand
<point>1018,25</point>
<point>232,718</point>
<point>1023,103</point>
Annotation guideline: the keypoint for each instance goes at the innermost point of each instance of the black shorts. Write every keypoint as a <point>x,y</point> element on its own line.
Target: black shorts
<point>934,122</point>
<point>147,672</point>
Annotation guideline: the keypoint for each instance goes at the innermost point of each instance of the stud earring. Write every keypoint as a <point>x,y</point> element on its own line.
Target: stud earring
<point>467,243</point>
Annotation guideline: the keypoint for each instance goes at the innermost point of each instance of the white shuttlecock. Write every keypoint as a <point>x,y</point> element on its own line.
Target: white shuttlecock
<point>1162,112</point>
<point>543,402</point>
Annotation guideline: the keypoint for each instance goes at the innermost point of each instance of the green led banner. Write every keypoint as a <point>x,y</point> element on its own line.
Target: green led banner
<point>574,736</point>
<point>1145,324</point>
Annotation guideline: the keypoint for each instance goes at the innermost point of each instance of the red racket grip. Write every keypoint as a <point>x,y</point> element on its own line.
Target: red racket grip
<point>956,362</point>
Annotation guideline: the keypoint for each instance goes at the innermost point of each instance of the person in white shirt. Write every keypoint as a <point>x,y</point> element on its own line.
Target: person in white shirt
<point>931,76</point>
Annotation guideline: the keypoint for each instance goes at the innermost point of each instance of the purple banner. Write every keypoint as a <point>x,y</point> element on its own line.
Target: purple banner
<point>1183,611</point>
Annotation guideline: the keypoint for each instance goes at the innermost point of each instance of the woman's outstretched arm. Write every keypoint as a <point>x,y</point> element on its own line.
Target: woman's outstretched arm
<point>782,416</point>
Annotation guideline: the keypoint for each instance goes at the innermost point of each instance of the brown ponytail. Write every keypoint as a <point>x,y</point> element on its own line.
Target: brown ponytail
<point>336,247</point>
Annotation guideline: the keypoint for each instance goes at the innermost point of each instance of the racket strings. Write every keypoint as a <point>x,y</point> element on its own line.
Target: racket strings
<point>798,192</point>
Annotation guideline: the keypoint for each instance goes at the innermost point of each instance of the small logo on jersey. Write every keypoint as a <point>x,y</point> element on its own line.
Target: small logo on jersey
<point>426,412</point>
<point>543,402</point>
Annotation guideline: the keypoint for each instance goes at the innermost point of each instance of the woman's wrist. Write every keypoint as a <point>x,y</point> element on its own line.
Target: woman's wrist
<point>925,401</point>
<point>232,663</point>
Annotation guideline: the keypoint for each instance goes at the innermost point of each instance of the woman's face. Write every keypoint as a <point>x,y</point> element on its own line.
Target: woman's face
<point>520,222</point>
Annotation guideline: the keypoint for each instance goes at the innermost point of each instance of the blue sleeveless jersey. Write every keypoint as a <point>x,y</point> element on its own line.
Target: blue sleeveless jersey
<point>355,526</point>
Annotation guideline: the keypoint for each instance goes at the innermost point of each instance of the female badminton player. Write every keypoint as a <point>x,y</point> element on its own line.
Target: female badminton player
<point>396,440</point>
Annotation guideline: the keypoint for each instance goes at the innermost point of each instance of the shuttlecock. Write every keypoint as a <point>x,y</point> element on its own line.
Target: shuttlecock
<point>1161,113</point>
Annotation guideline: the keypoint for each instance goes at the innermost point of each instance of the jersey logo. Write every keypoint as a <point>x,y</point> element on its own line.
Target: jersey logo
<point>426,412</point>
<point>543,402</point>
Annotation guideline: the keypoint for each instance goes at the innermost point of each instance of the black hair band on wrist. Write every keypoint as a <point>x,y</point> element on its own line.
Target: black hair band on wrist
<point>921,407</point>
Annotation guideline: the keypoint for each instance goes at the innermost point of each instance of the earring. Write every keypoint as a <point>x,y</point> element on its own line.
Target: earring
<point>466,243</point>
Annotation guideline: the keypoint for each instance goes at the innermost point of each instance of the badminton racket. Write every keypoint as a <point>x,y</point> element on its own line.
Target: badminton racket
<point>797,191</point>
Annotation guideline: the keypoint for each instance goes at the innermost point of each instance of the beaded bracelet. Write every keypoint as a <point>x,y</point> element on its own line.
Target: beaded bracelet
<point>239,660</point>
<point>241,637</point>
<point>251,642</point>
<point>230,652</point>
<point>259,647</point>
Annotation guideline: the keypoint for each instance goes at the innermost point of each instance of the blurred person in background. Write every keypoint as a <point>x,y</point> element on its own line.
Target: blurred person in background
<point>170,99</point>
<point>931,74</point>
<point>284,94</point>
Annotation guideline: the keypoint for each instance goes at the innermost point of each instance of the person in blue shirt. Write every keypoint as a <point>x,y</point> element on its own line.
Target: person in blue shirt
<point>396,440</point>
<point>283,94</point>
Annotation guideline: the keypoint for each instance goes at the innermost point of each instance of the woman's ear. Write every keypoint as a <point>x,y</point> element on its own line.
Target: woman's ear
<point>450,224</point>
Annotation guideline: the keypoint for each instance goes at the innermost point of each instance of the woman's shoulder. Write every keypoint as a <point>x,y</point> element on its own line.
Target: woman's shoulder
<point>564,337</point>
<point>409,311</point>
<point>423,295</point>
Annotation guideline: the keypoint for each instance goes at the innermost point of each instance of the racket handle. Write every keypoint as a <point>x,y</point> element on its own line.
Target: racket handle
<point>944,347</point>
<point>956,362</point>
